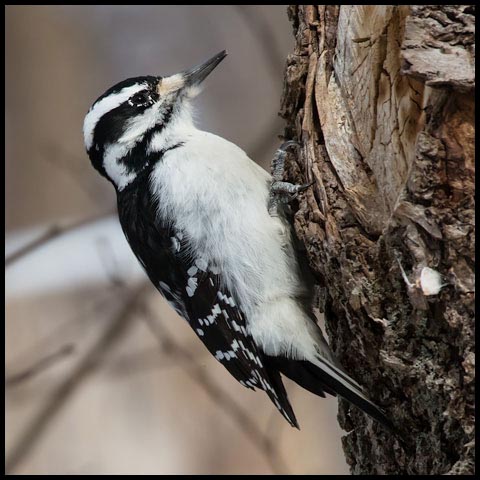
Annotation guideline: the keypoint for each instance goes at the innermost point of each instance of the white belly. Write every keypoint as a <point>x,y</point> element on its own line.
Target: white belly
<point>217,197</point>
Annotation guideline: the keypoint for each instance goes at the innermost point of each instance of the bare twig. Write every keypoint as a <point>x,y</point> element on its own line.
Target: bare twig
<point>51,233</point>
<point>86,366</point>
<point>39,366</point>
<point>58,335</point>
<point>137,362</point>
<point>197,373</point>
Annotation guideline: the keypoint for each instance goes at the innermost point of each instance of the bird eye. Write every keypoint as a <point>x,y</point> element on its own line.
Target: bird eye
<point>142,99</point>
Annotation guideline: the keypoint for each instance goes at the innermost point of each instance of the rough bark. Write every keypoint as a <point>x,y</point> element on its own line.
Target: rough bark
<point>381,99</point>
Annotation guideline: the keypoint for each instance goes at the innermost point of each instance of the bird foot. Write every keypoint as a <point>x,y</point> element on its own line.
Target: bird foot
<point>281,193</point>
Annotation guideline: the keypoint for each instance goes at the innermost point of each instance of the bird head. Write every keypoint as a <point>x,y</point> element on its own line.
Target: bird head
<point>136,119</point>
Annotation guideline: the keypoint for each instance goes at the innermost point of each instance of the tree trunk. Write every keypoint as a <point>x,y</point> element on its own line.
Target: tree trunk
<point>381,99</point>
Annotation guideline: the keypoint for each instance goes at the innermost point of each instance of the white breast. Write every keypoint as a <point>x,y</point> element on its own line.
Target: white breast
<point>218,198</point>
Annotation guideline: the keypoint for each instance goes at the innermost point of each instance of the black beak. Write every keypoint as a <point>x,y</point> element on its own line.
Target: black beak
<point>198,74</point>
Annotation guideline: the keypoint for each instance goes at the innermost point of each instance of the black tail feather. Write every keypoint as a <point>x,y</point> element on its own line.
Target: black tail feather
<point>315,380</point>
<point>279,397</point>
<point>299,372</point>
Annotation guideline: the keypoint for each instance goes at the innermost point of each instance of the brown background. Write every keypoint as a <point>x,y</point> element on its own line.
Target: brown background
<point>141,409</point>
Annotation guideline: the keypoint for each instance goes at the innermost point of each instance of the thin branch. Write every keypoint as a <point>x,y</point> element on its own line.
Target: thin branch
<point>39,366</point>
<point>221,399</point>
<point>84,369</point>
<point>138,362</point>
<point>52,232</point>
<point>56,336</point>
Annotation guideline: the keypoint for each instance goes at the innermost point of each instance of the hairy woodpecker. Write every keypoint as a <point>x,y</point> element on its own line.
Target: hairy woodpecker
<point>206,224</point>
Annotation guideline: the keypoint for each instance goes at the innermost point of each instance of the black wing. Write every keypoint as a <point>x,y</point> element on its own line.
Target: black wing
<point>197,293</point>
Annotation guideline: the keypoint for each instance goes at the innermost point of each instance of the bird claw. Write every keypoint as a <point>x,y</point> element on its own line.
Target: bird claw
<point>278,161</point>
<point>283,192</point>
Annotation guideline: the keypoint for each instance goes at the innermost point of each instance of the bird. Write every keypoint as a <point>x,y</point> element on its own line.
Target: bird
<point>208,225</point>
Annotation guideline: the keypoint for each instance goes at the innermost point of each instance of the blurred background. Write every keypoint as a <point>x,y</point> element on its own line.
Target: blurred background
<point>102,377</point>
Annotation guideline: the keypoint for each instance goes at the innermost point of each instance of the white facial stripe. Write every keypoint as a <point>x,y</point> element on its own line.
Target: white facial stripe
<point>135,129</point>
<point>102,107</point>
<point>114,169</point>
<point>140,124</point>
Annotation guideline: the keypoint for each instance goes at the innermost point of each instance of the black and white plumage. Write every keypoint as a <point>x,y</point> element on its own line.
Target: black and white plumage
<point>195,211</point>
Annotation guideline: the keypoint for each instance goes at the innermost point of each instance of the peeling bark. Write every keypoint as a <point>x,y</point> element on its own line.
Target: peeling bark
<point>382,100</point>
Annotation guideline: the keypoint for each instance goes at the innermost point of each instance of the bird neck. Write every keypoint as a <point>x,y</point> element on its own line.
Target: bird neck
<point>178,130</point>
<point>125,162</point>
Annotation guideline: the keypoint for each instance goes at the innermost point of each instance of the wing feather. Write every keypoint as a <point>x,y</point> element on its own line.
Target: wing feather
<point>196,291</point>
